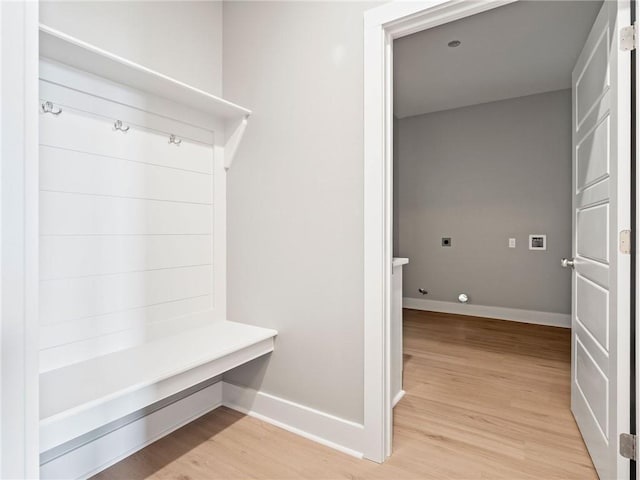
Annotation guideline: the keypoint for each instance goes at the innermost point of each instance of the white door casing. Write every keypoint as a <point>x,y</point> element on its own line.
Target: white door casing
<point>382,25</point>
<point>636,5</point>
<point>600,367</point>
<point>18,236</point>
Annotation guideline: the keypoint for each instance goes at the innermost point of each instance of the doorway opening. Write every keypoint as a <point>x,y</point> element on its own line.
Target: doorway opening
<point>501,169</point>
<point>482,210</point>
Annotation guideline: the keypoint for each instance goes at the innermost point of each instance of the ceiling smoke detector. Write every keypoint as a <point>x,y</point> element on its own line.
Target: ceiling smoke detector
<point>454,43</point>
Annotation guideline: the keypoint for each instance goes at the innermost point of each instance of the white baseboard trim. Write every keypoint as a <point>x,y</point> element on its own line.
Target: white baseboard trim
<point>105,450</point>
<point>398,397</point>
<point>500,313</point>
<point>321,427</point>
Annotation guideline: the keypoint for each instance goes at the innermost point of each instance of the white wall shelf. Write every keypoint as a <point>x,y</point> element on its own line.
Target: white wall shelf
<point>63,48</point>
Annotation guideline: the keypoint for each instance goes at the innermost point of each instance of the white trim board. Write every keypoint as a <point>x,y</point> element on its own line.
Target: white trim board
<point>501,313</point>
<point>331,431</point>
<point>18,240</point>
<point>399,396</point>
<point>108,449</point>
<point>382,25</point>
<point>102,448</point>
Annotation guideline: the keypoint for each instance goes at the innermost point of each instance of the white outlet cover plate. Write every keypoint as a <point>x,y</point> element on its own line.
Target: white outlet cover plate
<point>512,243</point>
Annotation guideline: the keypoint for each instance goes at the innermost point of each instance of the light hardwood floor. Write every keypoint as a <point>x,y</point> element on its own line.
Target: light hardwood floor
<point>486,399</point>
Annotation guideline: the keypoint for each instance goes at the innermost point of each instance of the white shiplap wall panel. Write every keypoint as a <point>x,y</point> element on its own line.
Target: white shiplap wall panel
<point>105,343</point>
<point>74,298</point>
<point>72,256</point>
<point>79,131</point>
<point>99,326</point>
<point>127,229</point>
<point>69,171</point>
<point>80,214</point>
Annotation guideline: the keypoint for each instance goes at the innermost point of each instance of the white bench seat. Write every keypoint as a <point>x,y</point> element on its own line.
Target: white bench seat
<point>79,398</point>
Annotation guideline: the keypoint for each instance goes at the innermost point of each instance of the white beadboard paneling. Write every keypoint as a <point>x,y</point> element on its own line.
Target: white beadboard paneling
<point>72,352</point>
<point>82,255</point>
<point>75,130</point>
<point>64,170</point>
<point>74,298</point>
<point>56,91</point>
<point>60,334</point>
<point>76,214</point>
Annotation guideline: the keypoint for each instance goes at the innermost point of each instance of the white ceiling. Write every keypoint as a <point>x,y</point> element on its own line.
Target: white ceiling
<point>523,48</point>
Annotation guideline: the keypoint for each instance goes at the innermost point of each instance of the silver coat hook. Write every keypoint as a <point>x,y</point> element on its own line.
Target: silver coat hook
<point>47,107</point>
<point>118,125</point>
<point>175,140</point>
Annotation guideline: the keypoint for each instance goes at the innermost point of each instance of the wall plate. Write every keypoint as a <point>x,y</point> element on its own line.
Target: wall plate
<point>537,242</point>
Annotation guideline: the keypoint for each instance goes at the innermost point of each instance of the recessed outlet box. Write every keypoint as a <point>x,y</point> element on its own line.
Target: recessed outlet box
<point>446,241</point>
<point>537,241</point>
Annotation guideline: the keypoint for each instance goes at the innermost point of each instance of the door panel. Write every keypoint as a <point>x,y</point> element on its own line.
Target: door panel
<point>593,80</point>
<point>593,386</point>
<point>601,195</point>
<point>592,157</point>
<point>593,310</point>
<point>592,223</point>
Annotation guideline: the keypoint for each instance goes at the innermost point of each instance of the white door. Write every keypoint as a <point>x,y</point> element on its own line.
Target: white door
<point>600,395</point>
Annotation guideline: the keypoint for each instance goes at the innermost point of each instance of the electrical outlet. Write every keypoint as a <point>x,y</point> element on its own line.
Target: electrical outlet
<point>512,243</point>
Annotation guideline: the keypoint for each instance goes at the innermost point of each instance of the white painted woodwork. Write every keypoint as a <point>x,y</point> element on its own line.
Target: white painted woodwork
<point>64,85</point>
<point>63,256</point>
<point>94,133</point>
<point>81,297</point>
<point>80,214</point>
<point>536,317</point>
<point>396,329</point>
<point>601,193</point>
<point>636,234</point>
<point>64,170</point>
<point>592,158</point>
<point>381,25</point>
<point>109,387</point>
<point>316,425</point>
<point>87,338</point>
<point>114,445</point>
<point>71,51</point>
<point>126,229</point>
<point>132,291</point>
<point>19,240</point>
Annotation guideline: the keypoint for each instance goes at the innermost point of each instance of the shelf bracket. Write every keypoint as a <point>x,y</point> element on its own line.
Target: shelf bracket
<point>233,140</point>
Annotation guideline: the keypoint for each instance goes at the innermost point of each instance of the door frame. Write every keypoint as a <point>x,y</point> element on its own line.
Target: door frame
<point>382,25</point>
<point>19,410</point>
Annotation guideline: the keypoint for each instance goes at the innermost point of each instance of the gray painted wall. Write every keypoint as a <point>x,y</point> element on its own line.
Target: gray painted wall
<point>480,175</point>
<point>295,193</point>
<point>180,39</point>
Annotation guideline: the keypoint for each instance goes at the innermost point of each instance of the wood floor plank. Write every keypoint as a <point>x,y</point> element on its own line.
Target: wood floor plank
<point>486,399</point>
